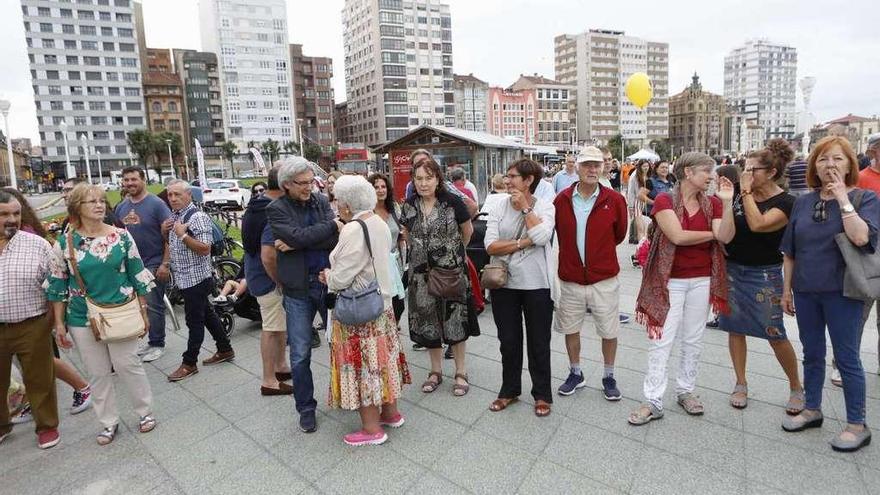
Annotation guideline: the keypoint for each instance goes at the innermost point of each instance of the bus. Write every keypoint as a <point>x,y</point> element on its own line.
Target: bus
<point>353,158</point>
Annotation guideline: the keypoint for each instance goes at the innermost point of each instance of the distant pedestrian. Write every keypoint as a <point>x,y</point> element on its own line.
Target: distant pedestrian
<point>796,174</point>
<point>567,176</point>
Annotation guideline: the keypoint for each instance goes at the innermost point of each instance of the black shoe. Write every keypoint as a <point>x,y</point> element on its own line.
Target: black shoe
<point>307,422</point>
<point>417,347</point>
<point>712,324</point>
<point>448,354</point>
<point>316,339</point>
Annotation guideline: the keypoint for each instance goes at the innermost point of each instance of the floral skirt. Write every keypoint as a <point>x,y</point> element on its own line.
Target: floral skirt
<point>367,367</point>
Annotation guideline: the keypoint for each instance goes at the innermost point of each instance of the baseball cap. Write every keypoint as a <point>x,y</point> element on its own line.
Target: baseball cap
<point>590,154</point>
<point>874,140</point>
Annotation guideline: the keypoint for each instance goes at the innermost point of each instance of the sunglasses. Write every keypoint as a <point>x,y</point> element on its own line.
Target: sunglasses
<point>820,213</point>
<point>259,190</point>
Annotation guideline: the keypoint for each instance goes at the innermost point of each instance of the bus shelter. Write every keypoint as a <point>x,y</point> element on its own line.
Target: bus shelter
<point>481,155</point>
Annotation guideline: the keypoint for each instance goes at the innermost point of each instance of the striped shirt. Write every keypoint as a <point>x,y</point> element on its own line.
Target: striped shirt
<point>24,265</point>
<point>797,176</point>
<point>188,267</point>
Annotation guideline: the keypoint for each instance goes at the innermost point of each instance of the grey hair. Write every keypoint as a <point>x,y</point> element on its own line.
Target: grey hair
<point>291,166</point>
<point>355,192</point>
<point>456,174</point>
<point>689,160</point>
<point>187,187</point>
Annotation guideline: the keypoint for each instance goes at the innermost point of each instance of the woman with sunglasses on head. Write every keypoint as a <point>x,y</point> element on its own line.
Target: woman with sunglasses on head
<point>754,269</point>
<point>813,283</point>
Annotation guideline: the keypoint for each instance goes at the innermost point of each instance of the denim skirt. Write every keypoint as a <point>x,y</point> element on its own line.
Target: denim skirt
<point>755,298</point>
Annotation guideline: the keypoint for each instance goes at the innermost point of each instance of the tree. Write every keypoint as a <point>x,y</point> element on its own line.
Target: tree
<point>662,148</point>
<point>229,149</point>
<point>614,147</point>
<point>160,149</point>
<point>271,148</point>
<point>142,145</point>
<point>313,152</point>
<point>290,147</point>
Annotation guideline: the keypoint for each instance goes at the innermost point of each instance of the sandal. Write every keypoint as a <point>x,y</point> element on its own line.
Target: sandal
<point>796,402</point>
<point>461,390</point>
<point>501,404</point>
<point>107,435</point>
<point>739,398</point>
<point>691,404</point>
<point>646,413</point>
<point>430,385</point>
<point>146,424</point>
<point>542,408</point>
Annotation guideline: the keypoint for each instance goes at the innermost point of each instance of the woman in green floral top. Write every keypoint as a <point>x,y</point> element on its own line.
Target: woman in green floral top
<point>112,270</point>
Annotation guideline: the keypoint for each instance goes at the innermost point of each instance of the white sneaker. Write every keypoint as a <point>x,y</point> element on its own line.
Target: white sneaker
<point>143,347</point>
<point>153,354</point>
<point>836,380</point>
<point>23,416</point>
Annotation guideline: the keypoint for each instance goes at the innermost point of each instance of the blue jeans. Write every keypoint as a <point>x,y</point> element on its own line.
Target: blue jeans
<point>300,315</point>
<point>156,312</point>
<point>843,317</point>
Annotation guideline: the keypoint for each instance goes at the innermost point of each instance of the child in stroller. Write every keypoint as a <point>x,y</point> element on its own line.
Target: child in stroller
<point>234,299</point>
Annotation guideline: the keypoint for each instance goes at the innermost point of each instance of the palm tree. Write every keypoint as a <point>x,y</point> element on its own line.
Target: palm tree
<point>290,147</point>
<point>271,148</point>
<point>142,144</point>
<point>229,149</point>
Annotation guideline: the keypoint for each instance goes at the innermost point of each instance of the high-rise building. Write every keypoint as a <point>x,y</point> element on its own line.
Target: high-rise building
<point>163,98</point>
<point>203,107</point>
<point>697,120</point>
<point>313,92</point>
<point>398,67</point>
<point>250,39</point>
<point>598,63</point>
<point>760,85</point>
<point>341,123</point>
<point>471,102</point>
<point>85,73</point>
<point>551,115</point>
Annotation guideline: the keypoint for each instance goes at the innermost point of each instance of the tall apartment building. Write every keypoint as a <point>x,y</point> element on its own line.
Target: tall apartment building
<point>398,67</point>
<point>471,102</point>
<point>512,114</point>
<point>597,63</point>
<point>697,120</point>
<point>313,93</point>
<point>163,96</point>
<point>551,109</point>
<point>760,84</point>
<point>85,72</point>
<point>341,123</point>
<point>203,106</point>
<point>250,38</point>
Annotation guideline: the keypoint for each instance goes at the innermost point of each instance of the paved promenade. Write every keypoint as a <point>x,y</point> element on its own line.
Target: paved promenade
<point>217,435</point>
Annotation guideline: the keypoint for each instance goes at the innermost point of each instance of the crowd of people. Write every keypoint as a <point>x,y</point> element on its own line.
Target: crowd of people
<point>739,241</point>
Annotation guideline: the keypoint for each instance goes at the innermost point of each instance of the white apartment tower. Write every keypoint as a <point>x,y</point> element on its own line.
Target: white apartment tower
<point>597,63</point>
<point>250,40</point>
<point>760,85</point>
<point>85,72</point>
<point>398,67</point>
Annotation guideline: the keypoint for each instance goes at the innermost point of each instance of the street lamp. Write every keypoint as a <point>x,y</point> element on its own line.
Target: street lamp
<point>85,145</point>
<point>300,129</point>
<point>71,173</point>
<point>130,157</point>
<point>4,109</point>
<point>100,175</point>
<point>170,163</point>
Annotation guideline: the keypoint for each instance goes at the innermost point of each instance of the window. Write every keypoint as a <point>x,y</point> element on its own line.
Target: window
<point>66,14</point>
<point>110,61</point>
<point>53,74</point>
<point>128,62</point>
<point>126,47</point>
<point>132,91</point>
<point>68,29</point>
<point>96,105</point>
<point>106,31</point>
<point>124,32</point>
<point>130,76</point>
<point>99,120</point>
<point>104,16</point>
<point>50,59</point>
<point>172,107</point>
<point>88,30</point>
<point>68,44</point>
<point>89,45</point>
<point>85,15</point>
<point>45,27</point>
<point>135,121</point>
<point>115,105</point>
<point>133,105</point>
<point>113,91</point>
<point>109,46</point>
<point>93,76</point>
<point>112,76</point>
<point>91,61</point>
<point>79,121</point>
<point>56,105</point>
<point>95,91</point>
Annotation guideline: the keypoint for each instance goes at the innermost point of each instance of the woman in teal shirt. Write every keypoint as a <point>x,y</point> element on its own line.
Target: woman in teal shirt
<point>112,271</point>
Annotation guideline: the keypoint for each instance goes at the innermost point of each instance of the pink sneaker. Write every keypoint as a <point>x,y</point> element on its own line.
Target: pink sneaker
<point>48,438</point>
<point>395,422</point>
<point>359,438</point>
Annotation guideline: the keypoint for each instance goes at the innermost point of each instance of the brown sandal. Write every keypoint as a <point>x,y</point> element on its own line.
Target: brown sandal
<point>461,390</point>
<point>542,408</point>
<point>430,385</point>
<point>500,404</point>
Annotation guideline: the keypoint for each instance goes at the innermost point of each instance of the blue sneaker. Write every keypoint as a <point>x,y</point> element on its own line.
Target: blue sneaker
<point>572,383</point>
<point>307,422</point>
<point>624,319</point>
<point>609,388</point>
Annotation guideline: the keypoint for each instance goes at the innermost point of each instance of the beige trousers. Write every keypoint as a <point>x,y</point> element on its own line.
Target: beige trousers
<point>99,358</point>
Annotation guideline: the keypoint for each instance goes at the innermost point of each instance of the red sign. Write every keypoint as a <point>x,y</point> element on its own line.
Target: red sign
<point>400,170</point>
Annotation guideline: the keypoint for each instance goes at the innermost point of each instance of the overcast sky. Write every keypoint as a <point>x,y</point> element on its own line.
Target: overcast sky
<point>497,40</point>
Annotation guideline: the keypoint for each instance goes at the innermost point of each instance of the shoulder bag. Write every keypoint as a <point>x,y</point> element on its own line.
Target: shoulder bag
<point>861,279</point>
<point>443,283</point>
<point>359,306</point>
<point>496,273</point>
<point>109,322</point>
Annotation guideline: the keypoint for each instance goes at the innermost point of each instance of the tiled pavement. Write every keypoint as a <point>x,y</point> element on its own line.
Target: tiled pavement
<point>217,435</point>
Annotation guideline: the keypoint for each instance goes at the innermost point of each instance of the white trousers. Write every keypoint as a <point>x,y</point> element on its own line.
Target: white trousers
<point>99,358</point>
<point>685,323</point>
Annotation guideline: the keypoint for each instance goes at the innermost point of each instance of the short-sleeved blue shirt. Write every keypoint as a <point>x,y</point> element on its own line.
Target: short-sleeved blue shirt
<point>819,266</point>
<point>258,281</point>
<point>143,220</point>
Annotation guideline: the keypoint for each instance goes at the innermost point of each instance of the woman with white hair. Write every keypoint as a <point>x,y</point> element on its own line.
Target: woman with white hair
<point>367,368</point>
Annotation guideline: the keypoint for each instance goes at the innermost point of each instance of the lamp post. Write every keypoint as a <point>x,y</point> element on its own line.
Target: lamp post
<point>85,145</point>
<point>130,158</point>
<point>71,173</point>
<point>4,109</point>
<point>170,162</point>
<point>100,174</point>
<point>301,140</point>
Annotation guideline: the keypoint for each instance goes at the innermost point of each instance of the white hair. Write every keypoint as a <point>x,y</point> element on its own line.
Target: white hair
<point>355,192</point>
<point>187,187</point>
<point>291,166</point>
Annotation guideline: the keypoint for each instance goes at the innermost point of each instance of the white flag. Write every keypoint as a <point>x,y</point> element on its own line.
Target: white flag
<point>200,161</point>
<point>258,160</point>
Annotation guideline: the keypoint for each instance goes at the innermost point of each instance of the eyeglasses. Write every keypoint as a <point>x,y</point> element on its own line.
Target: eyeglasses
<point>66,189</point>
<point>259,190</point>
<point>303,183</point>
<point>820,213</point>
<point>94,202</point>
<point>761,168</point>
<point>512,176</point>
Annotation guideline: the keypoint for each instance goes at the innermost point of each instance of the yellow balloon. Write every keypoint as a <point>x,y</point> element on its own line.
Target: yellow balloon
<point>639,89</point>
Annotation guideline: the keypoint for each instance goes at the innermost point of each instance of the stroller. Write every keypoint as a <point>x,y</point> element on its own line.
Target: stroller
<point>227,308</point>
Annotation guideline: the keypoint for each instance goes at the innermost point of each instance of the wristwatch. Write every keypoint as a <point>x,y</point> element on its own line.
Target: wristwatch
<point>848,208</point>
<point>528,210</point>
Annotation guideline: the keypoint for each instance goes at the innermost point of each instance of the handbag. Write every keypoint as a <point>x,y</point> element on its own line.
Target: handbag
<point>443,283</point>
<point>861,279</point>
<point>496,273</point>
<point>359,306</point>
<point>109,322</point>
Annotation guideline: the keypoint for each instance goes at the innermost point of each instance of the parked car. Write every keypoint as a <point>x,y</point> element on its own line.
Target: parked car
<point>226,193</point>
<point>110,186</point>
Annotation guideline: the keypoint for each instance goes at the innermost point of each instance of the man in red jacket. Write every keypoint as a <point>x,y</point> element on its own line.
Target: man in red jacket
<point>591,220</point>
